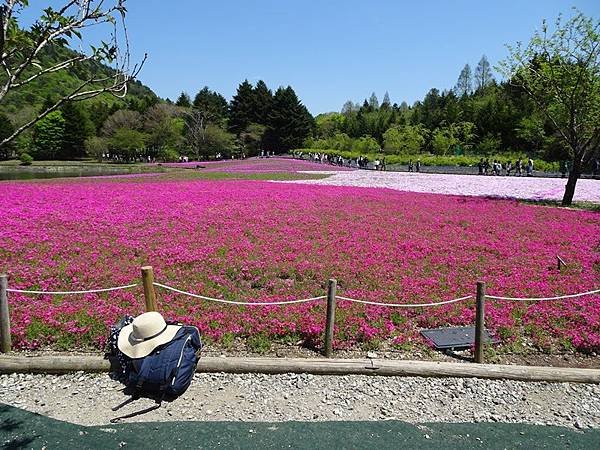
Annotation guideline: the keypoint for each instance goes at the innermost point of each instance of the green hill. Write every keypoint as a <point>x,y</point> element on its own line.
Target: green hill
<point>21,104</point>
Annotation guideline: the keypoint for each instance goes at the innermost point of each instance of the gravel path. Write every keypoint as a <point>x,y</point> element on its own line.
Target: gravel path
<point>86,399</point>
<point>530,188</point>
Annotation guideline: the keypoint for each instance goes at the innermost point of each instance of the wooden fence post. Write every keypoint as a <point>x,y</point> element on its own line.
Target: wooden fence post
<point>149,294</point>
<point>329,326</point>
<point>5,340</point>
<point>479,321</point>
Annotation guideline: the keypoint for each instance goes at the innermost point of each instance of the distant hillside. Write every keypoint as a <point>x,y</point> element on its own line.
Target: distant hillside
<point>22,103</point>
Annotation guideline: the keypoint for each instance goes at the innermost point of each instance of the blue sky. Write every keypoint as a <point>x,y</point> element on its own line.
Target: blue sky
<point>328,51</point>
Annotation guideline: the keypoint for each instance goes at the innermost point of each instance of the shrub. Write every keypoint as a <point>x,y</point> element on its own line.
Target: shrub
<point>168,155</point>
<point>26,159</point>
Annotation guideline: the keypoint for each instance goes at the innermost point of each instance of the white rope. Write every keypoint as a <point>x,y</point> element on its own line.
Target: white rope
<point>90,291</point>
<point>404,305</point>
<point>231,302</point>
<point>493,297</point>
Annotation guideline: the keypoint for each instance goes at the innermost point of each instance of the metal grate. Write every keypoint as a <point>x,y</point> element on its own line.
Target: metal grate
<point>456,337</point>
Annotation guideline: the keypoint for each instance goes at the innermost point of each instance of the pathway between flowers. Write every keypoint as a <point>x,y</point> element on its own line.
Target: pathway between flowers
<point>534,188</point>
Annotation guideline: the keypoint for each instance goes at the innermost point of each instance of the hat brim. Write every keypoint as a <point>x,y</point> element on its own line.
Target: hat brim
<point>136,349</point>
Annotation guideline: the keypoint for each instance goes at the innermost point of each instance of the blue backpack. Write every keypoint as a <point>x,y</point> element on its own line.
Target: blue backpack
<point>167,372</point>
<point>169,369</point>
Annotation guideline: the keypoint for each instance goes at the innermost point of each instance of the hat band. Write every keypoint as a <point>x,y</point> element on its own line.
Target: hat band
<point>149,337</point>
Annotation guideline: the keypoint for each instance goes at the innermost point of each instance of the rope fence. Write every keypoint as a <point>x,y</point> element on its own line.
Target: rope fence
<point>232,302</point>
<point>542,299</point>
<point>90,291</point>
<point>151,305</point>
<point>404,305</point>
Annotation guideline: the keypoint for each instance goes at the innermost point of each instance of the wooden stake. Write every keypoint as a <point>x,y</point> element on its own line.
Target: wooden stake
<point>149,294</point>
<point>560,263</point>
<point>329,326</point>
<point>5,340</point>
<point>479,321</point>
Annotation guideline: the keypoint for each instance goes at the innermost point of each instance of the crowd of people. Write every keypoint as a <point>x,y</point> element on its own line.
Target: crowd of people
<point>362,162</point>
<point>498,168</point>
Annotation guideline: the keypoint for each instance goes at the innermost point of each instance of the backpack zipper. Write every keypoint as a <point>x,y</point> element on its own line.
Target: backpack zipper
<point>181,357</point>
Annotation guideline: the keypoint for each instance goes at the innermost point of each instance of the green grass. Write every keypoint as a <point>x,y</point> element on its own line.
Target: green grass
<point>586,206</point>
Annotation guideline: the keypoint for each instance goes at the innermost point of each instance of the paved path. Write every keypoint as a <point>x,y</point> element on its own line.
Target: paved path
<point>530,188</point>
<point>22,429</point>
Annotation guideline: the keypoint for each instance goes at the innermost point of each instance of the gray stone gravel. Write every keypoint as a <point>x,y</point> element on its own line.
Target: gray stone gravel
<point>87,399</point>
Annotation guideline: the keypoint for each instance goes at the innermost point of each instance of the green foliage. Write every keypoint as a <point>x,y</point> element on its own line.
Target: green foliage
<point>289,122</point>
<point>259,343</point>
<point>216,140</point>
<point>251,138</point>
<point>559,71</point>
<point>184,100</point>
<point>365,145</point>
<point>26,159</point>
<point>48,136</point>
<point>6,129</point>
<point>77,128</point>
<point>242,108</point>
<point>96,146</point>
<point>168,155</point>
<point>434,160</point>
<point>406,139</point>
<point>127,143</point>
<point>212,104</point>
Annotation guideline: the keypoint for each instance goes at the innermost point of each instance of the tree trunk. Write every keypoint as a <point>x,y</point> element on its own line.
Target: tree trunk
<point>574,175</point>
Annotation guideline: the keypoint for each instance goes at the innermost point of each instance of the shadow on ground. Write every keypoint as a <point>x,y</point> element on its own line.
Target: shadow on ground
<point>22,429</point>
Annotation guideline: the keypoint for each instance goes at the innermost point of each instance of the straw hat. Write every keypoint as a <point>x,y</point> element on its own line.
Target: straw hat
<point>144,334</point>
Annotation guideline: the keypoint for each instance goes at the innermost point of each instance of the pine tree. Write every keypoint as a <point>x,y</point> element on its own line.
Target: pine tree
<point>48,135</point>
<point>184,100</point>
<point>464,85</point>
<point>386,103</point>
<point>212,104</point>
<point>374,102</point>
<point>77,128</point>
<point>242,109</point>
<point>290,123</point>
<point>483,73</point>
<point>263,98</point>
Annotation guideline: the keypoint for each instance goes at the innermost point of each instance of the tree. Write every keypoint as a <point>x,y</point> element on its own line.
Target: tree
<point>126,143</point>
<point>483,74</point>
<point>464,85</point>
<point>96,146</point>
<point>349,107</point>
<point>164,127</point>
<point>560,72</point>
<point>212,104</point>
<point>263,98</point>
<point>290,123</point>
<point>214,140</point>
<point>242,110</point>
<point>6,129</point>
<point>386,103</point>
<point>406,139</point>
<point>373,102</point>
<point>123,118</point>
<point>184,100</point>
<point>251,138</point>
<point>77,128</point>
<point>21,50</point>
<point>48,135</point>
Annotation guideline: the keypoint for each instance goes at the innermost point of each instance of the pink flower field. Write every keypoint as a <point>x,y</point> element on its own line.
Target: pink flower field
<point>262,241</point>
